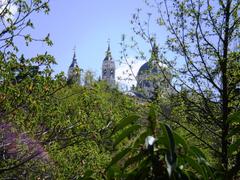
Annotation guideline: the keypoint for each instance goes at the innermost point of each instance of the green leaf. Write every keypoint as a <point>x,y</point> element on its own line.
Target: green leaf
<point>171,139</point>
<point>119,156</point>
<point>134,159</point>
<point>168,134</point>
<point>182,174</point>
<point>113,172</point>
<point>233,131</point>
<point>126,121</point>
<point>171,156</point>
<point>125,133</point>
<point>234,147</point>
<point>197,152</point>
<point>141,171</point>
<point>180,141</point>
<point>221,3</point>
<point>152,120</point>
<point>234,118</point>
<point>88,174</point>
<point>208,171</point>
<point>209,8</point>
<point>195,165</point>
<point>162,141</point>
<point>140,139</point>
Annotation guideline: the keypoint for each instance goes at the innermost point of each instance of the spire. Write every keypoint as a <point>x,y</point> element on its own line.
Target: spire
<point>155,48</point>
<point>74,70</point>
<point>108,45</point>
<point>154,54</point>
<point>74,59</point>
<point>108,52</point>
<point>74,54</point>
<point>108,67</point>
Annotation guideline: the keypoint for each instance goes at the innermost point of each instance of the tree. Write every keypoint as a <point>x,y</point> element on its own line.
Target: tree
<point>204,35</point>
<point>26,89</point>
<point>165,154</point>
<point>47,128</point>
<point>89,78</point>
<point>89,114</point>
<point>15,18</point>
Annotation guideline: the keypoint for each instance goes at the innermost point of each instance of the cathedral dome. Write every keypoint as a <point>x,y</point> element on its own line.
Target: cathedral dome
<point>153,65</point>
<point>143,68</point>
<point>148,67</point>
<point>153,75</point>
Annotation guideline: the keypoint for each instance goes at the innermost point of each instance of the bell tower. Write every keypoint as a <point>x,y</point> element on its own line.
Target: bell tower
<point>74,70</point>
<point>108,68</point>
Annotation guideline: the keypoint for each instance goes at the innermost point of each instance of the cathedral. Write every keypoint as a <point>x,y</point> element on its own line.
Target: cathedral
<point>108,69</point>
<point>152,76</point>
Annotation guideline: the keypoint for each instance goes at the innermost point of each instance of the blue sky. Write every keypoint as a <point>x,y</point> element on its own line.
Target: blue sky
<point>86,24</point>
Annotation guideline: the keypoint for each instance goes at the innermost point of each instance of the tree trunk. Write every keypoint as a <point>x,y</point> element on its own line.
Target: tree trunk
<point>225,109</point>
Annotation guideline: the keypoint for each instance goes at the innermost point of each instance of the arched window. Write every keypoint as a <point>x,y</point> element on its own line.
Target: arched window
<point>112,71</point>
<point>105,72</point>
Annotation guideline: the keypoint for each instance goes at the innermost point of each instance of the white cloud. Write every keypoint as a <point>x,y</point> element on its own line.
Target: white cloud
<point>125,76</point>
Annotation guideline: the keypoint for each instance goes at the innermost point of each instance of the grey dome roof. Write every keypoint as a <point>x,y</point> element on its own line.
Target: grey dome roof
<point>144,67</point>
<point>152,65</point>
<point>149,68</point>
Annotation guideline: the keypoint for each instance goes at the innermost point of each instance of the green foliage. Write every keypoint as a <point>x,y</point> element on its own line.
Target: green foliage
<point>26,90</point>
<point>204,62</point>
<point>168,157</point>
<point>86,116</point>
<point>26,93</point>
<point>14,22</point>
<point>234,136</point>
<point>51,128</point>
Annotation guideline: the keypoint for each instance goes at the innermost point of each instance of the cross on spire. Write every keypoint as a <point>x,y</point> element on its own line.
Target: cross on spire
<point>108,41</point>
<point>108,53</point>
<point>74,55</point>
<point>74,49</point>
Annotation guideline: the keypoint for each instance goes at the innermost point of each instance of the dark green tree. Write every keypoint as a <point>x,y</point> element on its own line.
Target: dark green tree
<point>204,36</point>
<point>26,90</point>
<point>86,116</point>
